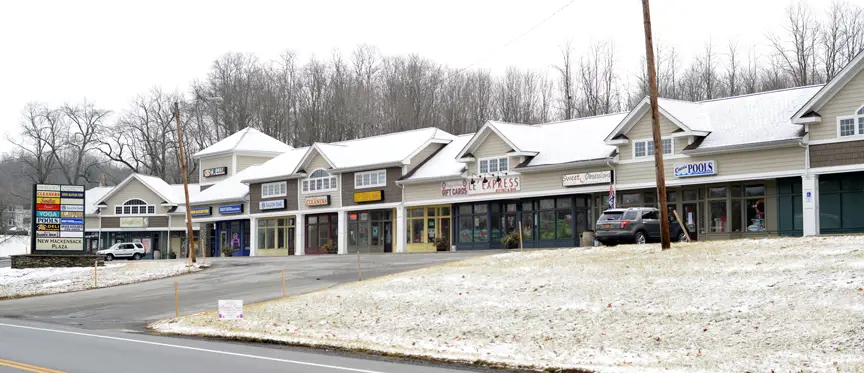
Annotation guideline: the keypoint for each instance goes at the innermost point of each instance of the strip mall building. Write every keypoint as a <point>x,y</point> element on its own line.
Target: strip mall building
<point>787,162</point>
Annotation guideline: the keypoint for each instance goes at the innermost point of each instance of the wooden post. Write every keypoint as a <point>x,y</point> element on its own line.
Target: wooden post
<point>95,272</point>
<point>189,234</point>
<point>176,300</point>
<point>655,125</point>
<point>359,273</point>
<point>683,227</point>
<point>520,236</point>
<point>283,283</point>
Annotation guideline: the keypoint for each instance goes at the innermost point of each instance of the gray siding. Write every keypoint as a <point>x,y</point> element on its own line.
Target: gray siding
<point>392,192</point>
<point>134,189</point>
<point>222,161</point>
<point>245,161</point>
<point>290,200</point>
<point>422,156</point>
<point>739,163</point>
<point>153,221</point>
<point>844,103</point>
<point>642,130</point>
<point>837,154</point>
<point>317,162</point>
<point>91,223</point>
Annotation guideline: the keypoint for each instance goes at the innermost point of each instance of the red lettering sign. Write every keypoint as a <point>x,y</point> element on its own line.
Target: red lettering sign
<point>46,207</point>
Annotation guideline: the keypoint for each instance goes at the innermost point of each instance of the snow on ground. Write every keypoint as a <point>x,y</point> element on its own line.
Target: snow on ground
<point>13,245</point>
<point>38,281</point>
<point>786,305</point>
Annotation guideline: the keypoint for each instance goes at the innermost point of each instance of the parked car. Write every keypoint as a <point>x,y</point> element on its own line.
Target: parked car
<point>128,250</point>
<point>634,225</point>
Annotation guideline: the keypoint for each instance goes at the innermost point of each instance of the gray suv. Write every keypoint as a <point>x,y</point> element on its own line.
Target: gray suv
<point>634,225</point>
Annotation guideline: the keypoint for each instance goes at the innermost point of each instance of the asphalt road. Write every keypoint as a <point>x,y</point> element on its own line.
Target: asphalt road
<point>131,307</point>
<point>48,348</point>
<point>103,330</point>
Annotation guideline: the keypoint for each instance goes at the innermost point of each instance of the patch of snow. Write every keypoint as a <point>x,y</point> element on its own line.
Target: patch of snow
<point>39,281</point>
<point>744,305</point>
<point>230,189</point>
<point>248,140</point>
<point>14,245</point>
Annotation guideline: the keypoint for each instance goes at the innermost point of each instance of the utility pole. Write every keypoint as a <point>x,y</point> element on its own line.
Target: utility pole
<point>189,233</point>
<point>655,126</point>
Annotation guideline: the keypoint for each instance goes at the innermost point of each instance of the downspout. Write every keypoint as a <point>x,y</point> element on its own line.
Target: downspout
<point>614,180</point>
<point>402,240</point>
<point>806,146</point>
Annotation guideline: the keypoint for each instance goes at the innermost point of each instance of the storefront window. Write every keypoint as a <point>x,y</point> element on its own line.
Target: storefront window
<point>428,223</point>
<point>755,208</point>
<point>527,226</point>
<point>690,195</point>
<point>466,225</point>
<point>736,213</point>
<point>718,216</point>
<point>547,225</point>
<point>481,228</point>
<point>321,230</point>
<point>564,225</point>
<point>417,231</point>
<point>718,192</point>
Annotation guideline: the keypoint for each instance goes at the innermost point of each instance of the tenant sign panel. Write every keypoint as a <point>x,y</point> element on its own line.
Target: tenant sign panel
<point>58,219</point>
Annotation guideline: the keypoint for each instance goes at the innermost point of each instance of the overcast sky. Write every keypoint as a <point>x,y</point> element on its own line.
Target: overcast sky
<point>109,51</point>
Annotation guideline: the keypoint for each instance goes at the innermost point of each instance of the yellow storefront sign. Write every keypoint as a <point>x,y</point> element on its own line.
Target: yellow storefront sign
<point>370,196</point>
<point>48,200</point>
<point>47,194</point>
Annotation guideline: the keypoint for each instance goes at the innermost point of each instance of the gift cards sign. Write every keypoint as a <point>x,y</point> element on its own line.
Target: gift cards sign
<point>58,218</point>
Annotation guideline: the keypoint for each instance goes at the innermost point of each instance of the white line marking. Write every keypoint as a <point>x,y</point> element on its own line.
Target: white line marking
<point>195,349</point>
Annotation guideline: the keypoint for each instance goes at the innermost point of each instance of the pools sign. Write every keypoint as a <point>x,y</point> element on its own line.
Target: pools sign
<point>54,232</point>
<point>703,168</point>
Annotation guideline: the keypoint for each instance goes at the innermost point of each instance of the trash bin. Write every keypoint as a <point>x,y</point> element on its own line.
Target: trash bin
<point>157,254</point>
<point>587,239</point>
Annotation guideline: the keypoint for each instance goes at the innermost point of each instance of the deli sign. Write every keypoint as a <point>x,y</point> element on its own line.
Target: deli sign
<point>492,184</point>
<point>587,178</point>
<point>703,168</point>
<point>215,171</point>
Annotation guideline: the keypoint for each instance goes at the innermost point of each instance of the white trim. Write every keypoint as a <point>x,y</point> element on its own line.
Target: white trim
<point>713,179</point>
<point>671,150</point>
<point>407,160</point>
<point>302,162</point>
<point>837,169</point>
<point>162,229</point>
<point>835,141</point>
<point>376,172</point>
<point>481,136</point>
<point>216,219</point>
<point>123,183</point>
<point>233,164</point>
<point>808,120</point>
<point>831,88</point>
<point>280,185</point>
<point>497,164</point>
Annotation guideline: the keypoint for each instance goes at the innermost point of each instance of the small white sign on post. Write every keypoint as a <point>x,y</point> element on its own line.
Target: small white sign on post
<point>230,309</point>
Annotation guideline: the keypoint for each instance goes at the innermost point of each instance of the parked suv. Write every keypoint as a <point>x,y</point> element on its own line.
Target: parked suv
<point>128,250</point>
<point>634,225</point>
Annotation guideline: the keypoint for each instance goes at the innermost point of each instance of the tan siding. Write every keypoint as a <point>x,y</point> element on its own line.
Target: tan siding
<point>422,155</point>
<point>335,197</point>
<point>423,192</point>
<point>178,223</point>
<point>245,161</point>
<point>492,146</point>
<point>844,103</point>
<point>91,224</point>
<point>740,163</point>
<point>317,162</point>
<point>223,161</point>
<point>134,189</point>
<point>642,130</point>
<point>552,180</point>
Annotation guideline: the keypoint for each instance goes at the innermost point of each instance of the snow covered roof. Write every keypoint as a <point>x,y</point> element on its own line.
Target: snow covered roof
<point>277,168</point>
<point>230,189</point>
<point>376,150</point>
<point>568,141</point>
<point>756,118</point>
<point>92,196</point>
<point>444,163</point>
<point>248,140</point>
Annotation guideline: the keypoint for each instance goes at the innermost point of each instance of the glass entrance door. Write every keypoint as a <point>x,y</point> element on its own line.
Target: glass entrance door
<point>388,237</point>
<point>689,214</point>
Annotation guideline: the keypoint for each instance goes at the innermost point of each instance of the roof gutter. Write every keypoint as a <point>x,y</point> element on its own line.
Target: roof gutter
<point>367,167</point>
<point>755,146</point>
<point>561,166</point>
<point>428,179</point>
<point>221,200</point>
<point>274,178</point>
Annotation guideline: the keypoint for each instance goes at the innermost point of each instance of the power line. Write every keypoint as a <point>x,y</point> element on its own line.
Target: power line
<point>536,26</point>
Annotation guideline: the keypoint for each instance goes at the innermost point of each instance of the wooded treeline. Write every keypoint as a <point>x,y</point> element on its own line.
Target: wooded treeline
<point>364,93</point>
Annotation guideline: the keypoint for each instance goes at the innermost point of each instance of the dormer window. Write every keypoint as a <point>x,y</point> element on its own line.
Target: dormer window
<point>319,181</point>
<point>134,207</point>
<point>852,125</point>
<point>645,148</point>
<point>492,165</point>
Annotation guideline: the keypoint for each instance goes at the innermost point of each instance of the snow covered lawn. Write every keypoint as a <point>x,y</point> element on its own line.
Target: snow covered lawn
<point>13,245</point>
<point>730,306</point>
<point>37,281</point>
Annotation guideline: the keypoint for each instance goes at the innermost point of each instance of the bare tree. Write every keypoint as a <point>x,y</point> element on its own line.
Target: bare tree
<point>598,83</point>
<point>732,77</point>
<point>35,143</point>
<point>799,54</point>
<point>832,40</point>
<point>77,139</point>
<point>707,65</point>
<point>565,72</point>
<point>852,19</point>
